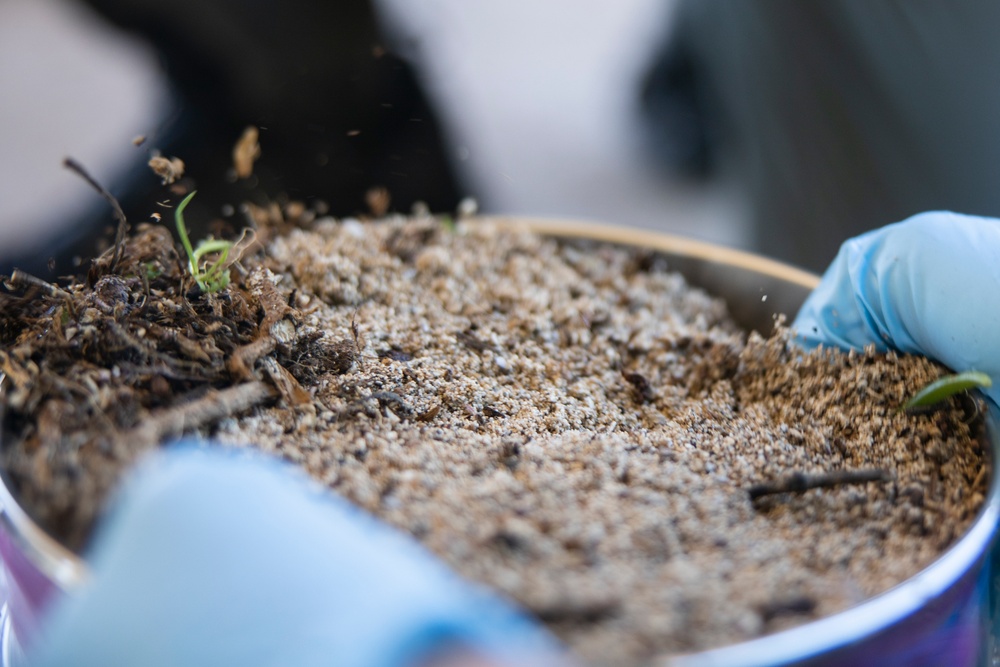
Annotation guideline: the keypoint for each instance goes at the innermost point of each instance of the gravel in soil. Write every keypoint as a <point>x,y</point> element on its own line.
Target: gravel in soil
<point>568,422</point>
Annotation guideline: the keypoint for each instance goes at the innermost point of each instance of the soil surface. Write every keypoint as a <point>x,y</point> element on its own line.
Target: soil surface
<point>569,423</point>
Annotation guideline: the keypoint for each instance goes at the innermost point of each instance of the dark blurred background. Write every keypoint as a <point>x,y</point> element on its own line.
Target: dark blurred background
<point>776,125</point>
<point>530,108</point>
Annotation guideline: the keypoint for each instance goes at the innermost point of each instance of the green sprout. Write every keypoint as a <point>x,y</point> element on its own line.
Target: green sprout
<point>942,388</point>
<point>152,270</point>
<point>216,276</point>
<point>448,224</point>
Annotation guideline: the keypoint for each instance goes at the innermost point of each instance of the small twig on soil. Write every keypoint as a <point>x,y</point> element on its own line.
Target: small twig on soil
<point>213,406</point>
<point>122,232</point>
<point>359,341</point>
<point>582,612</point>
<point>241,362</point>
<point>793,606</point>
<point>274,305</point>
<point>21,279</point>
<point>291,391</point>
<point>800,482</point>
<point>150,350</point>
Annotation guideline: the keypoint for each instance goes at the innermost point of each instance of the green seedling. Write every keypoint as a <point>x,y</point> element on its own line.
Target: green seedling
<point>949,385</point>
<point>152,270</point>
<point>216,276</point>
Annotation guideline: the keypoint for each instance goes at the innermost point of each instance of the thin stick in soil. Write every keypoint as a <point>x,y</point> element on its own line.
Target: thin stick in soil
<point>798,482</point>
<point>122,233</point>
<point>241,361</point>
<point>210,408</point>
<point>19,279</point>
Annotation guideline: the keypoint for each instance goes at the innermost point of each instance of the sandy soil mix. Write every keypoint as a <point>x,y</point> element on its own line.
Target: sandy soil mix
<point>567,422</point>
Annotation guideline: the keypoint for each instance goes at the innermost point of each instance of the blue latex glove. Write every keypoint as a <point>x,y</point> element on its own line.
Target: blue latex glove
<point>929,285</point>
<point>214,557</point>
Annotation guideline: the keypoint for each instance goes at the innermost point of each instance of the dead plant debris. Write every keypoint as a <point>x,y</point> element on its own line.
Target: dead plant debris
<point>378,200</point>
<point>246,151</point>
<point>168,169</point>
<point>97,375</point>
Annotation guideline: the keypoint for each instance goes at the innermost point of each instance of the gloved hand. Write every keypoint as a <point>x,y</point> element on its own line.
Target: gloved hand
<point>213,557</point>
<point>929,285</point>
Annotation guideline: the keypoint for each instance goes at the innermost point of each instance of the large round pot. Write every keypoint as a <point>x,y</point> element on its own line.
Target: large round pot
<point>941,616</point>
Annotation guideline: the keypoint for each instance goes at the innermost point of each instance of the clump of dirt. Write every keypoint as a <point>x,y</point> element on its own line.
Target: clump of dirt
<point>570,423</point>
<point>95,373</point>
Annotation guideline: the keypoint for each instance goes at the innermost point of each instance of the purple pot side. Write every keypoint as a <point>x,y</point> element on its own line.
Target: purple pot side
<point>27,590</point>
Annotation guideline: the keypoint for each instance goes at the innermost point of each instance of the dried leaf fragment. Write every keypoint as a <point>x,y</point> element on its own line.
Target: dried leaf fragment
<point>246,151</point>
<point>291,391</point>
<point>168,169</point>
<point>378,200</point>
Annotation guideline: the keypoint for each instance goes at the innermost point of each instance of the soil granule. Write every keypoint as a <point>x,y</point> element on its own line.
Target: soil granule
<point>569,423</point>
